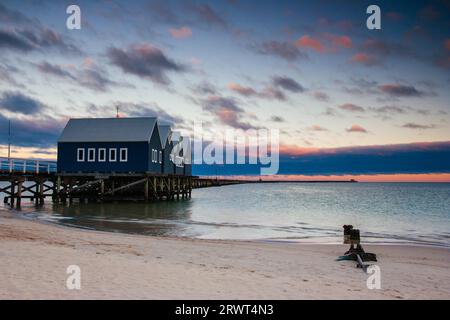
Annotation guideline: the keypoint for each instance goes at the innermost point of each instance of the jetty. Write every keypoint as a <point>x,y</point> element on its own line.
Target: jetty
<point>38,180</point>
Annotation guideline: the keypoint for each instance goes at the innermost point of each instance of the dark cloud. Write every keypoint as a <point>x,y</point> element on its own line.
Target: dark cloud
<point>411,125</point>
<point>382,159</point>
<point>389,110</point>
<point>321,96</point>
<point>148,110</point>
<point>16,102</point>
<point>32,132</point>
<point>277,119</point>
<point>208,15</point>
<point>40,39</point>
<point>226,111</point>
<point>92,77</point>
<point>205,88</point>
<point>288,84</point>
<point>285,50</point>
<point>55,70</point>
<point>352,107</point>
<point>399,90</point>
<point>145,61</point>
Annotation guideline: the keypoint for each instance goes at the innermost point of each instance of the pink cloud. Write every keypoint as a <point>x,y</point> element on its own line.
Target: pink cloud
<point>311,43</point>
<point>447,44</point>
<point>183,32</point>
<point>364,59</point>
<point>341,41</point>
<point>356,128</point>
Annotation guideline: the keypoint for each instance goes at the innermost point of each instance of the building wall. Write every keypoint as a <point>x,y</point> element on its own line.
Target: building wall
<point>137,161</point>
<point>168,167</point>
<point>155,144</point>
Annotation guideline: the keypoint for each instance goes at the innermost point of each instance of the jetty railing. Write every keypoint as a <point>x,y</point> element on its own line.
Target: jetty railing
<point>27,166</point>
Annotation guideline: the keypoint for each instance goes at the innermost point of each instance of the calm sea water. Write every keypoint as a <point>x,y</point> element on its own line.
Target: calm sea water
<point>385,213</point>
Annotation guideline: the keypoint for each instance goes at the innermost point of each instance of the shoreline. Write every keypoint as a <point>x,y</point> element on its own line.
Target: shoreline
<point>34,257</point>
<point>302,241</point>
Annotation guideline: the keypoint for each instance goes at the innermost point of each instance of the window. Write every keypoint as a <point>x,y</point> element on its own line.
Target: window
<point>102,155</point>
<point>91,155</point>
<point>153,155</point>
<point>80,155</point>
<point>112,155</point>
<point>123,154</point>
<point>160,157</point>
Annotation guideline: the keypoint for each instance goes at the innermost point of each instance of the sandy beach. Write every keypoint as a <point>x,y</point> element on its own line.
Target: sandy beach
<point>34,257</point>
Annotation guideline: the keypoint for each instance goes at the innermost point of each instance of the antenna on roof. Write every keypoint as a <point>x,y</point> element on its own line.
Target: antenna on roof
<point>117,114</point>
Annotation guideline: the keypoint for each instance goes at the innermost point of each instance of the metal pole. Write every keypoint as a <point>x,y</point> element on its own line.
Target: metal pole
<point>9,140</point>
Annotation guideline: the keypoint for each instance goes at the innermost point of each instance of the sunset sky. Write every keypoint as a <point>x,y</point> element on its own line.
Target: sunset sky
<point>347,100</point>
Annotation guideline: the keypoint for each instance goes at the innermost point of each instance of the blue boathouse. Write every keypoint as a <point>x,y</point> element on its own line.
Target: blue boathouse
<point>111,145</point>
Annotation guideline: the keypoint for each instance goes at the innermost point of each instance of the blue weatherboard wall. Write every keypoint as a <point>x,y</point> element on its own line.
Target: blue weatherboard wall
<point>168,167</point>
<point>155,143</point>
<point>138,161</point>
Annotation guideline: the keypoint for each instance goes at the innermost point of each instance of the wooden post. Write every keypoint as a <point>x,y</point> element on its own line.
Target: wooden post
<point>146,190</point>
<point>12,192</point>
<point>41,191</point>
<point>19,193</point>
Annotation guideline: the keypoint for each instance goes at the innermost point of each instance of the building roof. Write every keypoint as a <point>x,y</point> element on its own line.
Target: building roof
<point>164,133</point>
<point>108,130</point>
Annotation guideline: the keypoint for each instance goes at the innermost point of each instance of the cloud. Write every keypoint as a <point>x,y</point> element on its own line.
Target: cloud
<point>285,50</point>
<point>148,110</point>
<point>208,15</point>
<point>356,128</point>
<point>205,88</point>
<point>411,158</point>
<point>245,91</point>
<point>310,43</point>
<point>183,32</point>
<point>226,111</point>
<point>32,131</point>
<point>399,90</point>
<point>55,70</point>
<point>268,92</point>
<point>317,128</point>
<point>277,119</point>
<point>288,84</point>
<point>89,76</point>
<point>16,102</point>
<point>324,43</point>
<point>411,125</point>
<point>364,59</point>
<point>146,61</point>
<point>389,110</point>
<point>352,107</point>
<point>38,38</point>
<point>321,96</point>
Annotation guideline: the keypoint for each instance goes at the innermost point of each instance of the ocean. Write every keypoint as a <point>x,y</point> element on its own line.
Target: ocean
<point>414,213</point>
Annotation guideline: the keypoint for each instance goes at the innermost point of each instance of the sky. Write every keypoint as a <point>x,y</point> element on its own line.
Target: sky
<point>348,101</point>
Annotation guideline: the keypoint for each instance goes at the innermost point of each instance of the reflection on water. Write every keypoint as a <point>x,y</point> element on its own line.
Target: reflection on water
<point>385,212</point>
<point>158,219</point>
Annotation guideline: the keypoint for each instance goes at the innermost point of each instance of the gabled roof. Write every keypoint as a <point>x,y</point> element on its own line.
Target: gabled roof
<point>164,133</point>
<point>109,130</point>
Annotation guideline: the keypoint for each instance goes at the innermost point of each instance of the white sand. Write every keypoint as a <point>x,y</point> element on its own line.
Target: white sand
<point>34,258</point>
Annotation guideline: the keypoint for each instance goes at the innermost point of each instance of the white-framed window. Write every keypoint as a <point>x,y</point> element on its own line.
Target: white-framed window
<point>112,155</point>
<point>160,157</point>
<point>91,155</point>
<point>101,155</point>
<point>153,155</point>
<point>123,154</point>
<point>80,154</point>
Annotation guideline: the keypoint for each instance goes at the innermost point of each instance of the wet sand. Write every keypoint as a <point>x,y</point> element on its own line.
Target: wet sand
<point>34,257</point>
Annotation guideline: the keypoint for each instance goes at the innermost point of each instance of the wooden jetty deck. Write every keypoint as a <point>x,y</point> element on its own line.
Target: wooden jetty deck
<point>37,180</point>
